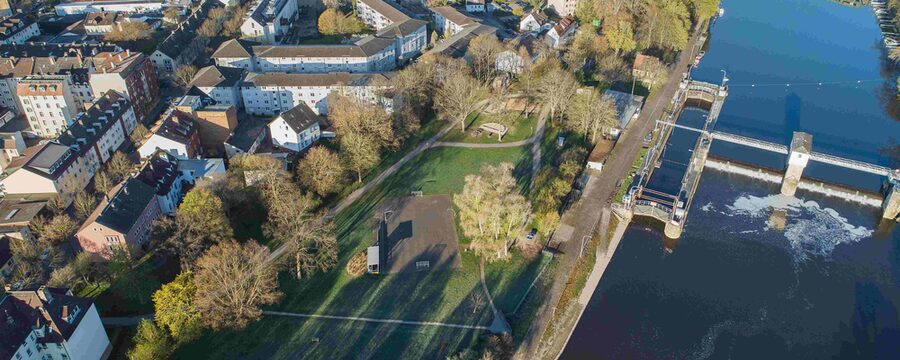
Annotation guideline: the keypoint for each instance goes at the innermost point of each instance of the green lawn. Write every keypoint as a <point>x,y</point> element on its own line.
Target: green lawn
<point>427,296</point>
<point>523,128</point>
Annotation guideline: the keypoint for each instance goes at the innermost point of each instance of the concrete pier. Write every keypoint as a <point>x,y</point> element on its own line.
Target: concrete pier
<point>801,147</point>
<point>891,205</point>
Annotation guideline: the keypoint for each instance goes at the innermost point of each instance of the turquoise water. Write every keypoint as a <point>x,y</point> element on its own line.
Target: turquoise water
<point>755,275</point>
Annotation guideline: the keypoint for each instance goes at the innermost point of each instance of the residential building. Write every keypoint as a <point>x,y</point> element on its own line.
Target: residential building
<point>6,115</point>
<point>176,134</point>
<point>17,212</point>
<point>13,147</point>
<point>17,29</point>
<point>161,172</point>
<point>521,53</point>
<point>534,21</point>
<point>49,103</point>
<point>295,129</point>
<point>475,6</point>
<point>394,44</point>
<point>560,34</point>
<point>130,74</point>
<point>120,6</point>
<point>563,7</point>
<point>457,45</point>
<point>100,22</point>
<point>250,136</point>
<point>179,48</point>
<point>194,169</point>
<point>51,323</point>
<point>66,165</point>
<point>274,93</point>
<point>380,14</point>
<point>268,21</point>
<point>449,21</point>
<point>215,122</point>
<point>122,222</point>
<point>643,67</point>
<point>221,83</point>
<point>74,61</point>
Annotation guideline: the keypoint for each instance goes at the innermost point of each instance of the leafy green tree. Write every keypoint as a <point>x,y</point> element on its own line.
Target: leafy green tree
<point>151,343</point>
<point>704,9</point>
<point>200,222</point>
<point>175,308</point>
<point>620,36</point>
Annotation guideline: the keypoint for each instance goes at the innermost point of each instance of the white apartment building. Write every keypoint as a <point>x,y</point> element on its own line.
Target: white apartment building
<point>269,20</point>
<point>17,29</point>
<point>449,21</point>
<point>48,103</point>
<point>67,164</point>
<point>221,83</point>
<point>51,323</point>
<point>84,7</point>
<point>379,14</point>
<point>274,93</point>
<point>371,54</point>
<point>295,129</point>
<point>563,7</point>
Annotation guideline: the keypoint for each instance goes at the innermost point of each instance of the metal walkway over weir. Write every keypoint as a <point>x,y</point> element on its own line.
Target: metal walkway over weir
<point>672,208</point>
<point>783,149</point>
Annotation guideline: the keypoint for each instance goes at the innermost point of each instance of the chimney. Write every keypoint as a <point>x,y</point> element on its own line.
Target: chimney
<point>127,53</point>
<point>65,312</point>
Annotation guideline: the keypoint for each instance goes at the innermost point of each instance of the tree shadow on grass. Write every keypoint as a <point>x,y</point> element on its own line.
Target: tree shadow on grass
<point>442,296</point>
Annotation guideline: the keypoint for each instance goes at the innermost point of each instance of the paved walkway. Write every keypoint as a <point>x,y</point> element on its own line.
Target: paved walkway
<point>597,194</point>
<point>373,320</point>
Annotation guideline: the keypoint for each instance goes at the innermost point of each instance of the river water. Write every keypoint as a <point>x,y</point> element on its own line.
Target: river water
<point>756,275</point>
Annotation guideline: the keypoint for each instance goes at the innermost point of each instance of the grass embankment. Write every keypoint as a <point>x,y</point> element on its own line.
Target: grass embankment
<point>426,296</point>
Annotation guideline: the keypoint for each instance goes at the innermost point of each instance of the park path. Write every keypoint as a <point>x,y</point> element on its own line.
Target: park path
<point>374,320</point>
<point>428,144</point>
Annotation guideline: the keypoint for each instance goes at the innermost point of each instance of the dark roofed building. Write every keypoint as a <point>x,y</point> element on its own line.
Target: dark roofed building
<point>295,129</point>
<point>50,323</point>
<point>17,212</point>
<point>123,221</point>
<point>176,134</point>
<point>250,136</point>
<point>160,171</point>
<point>170,54</point>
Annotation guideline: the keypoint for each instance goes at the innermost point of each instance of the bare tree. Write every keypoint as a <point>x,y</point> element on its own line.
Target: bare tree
<point>483,50</point>
<point>309,239</point>
<point>556,90</point>
<point>185,73</point>
<point>321,171</point>
<point>458,95</point>
<point>590,114</point>
<point>119,166</point>
<point>129,31</point>
<point>84,204</point>
<point>364,130</point>
<point>103,183</point>
<point>233,280</point>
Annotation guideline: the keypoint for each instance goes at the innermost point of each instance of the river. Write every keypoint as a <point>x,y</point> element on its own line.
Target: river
<point>756,275</point>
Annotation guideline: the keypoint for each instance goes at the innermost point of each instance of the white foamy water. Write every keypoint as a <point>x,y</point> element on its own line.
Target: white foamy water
<point>810,229</point>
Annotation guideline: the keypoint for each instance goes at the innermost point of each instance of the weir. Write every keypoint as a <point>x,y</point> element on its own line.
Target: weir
<point>681,151</point>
